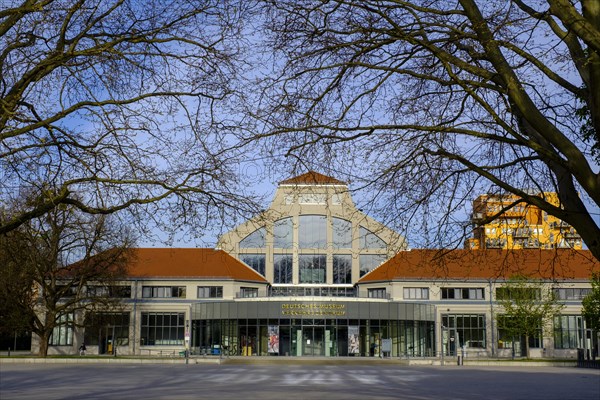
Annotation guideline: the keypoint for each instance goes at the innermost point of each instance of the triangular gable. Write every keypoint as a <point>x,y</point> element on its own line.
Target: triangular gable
<point>312,178</point>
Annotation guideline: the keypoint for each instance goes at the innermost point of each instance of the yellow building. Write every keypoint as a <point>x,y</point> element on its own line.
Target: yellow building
<point>521,226</point>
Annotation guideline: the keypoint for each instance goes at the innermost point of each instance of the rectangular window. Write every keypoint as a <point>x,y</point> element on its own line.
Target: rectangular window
<point>99,326</point>
<point>246,292</point>
<point>313,198</point>
<point>163,291</point>
<point>210,292</point>
<point>571,293</point>
<point>377,293</point>
<point>342,268</point>
<point>120,291</point>
<point>416,293</point>
<point>470,328</point>
<point>312,268</point>
<point>159,329</point>
<point>62,334</point>
<point>567,331</point>
<point>463,293</point>
<point>508,341</point>
<point>503,293</point>
<point>282,268</point>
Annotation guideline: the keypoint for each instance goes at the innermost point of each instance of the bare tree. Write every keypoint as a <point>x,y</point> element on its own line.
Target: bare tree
<point>59,266</point>
<point>431,102</point>
<point>108,105</point>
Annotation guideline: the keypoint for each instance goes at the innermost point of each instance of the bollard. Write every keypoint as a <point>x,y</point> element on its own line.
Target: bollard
<point>9,351</point>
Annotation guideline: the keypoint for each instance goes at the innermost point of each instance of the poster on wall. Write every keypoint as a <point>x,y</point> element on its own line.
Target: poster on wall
<point>353,347</point>
<point>273,346</point>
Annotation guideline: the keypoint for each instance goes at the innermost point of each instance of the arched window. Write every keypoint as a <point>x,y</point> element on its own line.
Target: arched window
<point>312,232</point>
<point>256,239</point>
<point>342,233</point>
<point>283,233</point>
<point>369,240</point>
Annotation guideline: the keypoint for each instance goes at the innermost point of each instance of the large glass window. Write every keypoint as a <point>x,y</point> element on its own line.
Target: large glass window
<point>567,331</point>
<point>62,334</point>
<point>163,291</point>
<point>369,240</point>
<point>162,329</point>
<point>470,328</point>
<point>508,341</point>
<point>256,239</point>
<point>312,268</point>
<point>312,232</point>
<point>342,233</point>
<point>282,234</point>
<point>210,292</point>
<point>255,261</point>
<point>282,268</point>
<point>369,262</point>
<point>342,268</point>
<point>102,325</point>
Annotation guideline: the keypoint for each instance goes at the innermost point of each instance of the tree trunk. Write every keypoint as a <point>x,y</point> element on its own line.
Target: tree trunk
<point>527,346</point>
<point>43,351</point>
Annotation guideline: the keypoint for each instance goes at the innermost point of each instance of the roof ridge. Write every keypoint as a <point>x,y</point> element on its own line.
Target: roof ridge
<point>312,178</point>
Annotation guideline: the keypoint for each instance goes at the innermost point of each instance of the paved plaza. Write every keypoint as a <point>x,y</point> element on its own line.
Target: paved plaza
<point>177,381</point>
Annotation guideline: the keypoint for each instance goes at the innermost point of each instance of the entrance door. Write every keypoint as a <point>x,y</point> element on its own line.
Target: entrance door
<point>313,341</point>
<point>450,341</point>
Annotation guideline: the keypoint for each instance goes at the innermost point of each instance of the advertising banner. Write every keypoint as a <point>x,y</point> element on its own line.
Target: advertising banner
<point>353,346</point>
<point>273,346</point>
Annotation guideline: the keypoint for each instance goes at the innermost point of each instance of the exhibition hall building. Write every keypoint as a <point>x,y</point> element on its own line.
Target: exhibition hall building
<point>314,276</point>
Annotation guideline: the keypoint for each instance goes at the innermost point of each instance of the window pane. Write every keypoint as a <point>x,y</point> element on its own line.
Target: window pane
<point>282,234</point>
<point>342,233</point>
<point>312,232</point>
<point>368,262</point>
<point>282,264</point>
<point>254,240</point>
<point>312,268</point>
<point>255,261</point>
<point>342,268</point>
<point>369,240</point>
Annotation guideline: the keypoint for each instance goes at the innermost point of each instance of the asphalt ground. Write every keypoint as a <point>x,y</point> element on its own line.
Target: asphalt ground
<point>202,381</point>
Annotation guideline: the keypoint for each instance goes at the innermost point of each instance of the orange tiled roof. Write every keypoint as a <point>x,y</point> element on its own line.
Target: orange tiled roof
<point>312,178</point>
<point>560,264</point>
<point>189,263</point>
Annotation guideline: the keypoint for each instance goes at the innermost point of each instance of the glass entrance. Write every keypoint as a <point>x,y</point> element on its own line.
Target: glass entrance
<point>313,341</point>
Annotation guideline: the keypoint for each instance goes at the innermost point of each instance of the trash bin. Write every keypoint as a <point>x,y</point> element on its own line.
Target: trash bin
<point>459,360</point>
